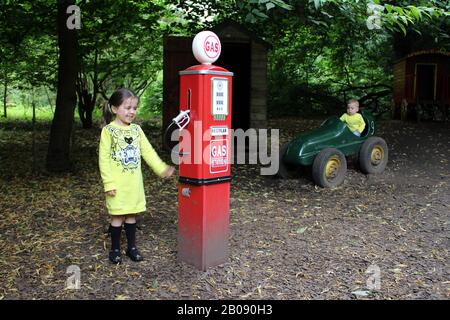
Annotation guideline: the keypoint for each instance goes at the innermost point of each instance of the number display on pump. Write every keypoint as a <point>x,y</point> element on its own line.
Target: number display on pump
<point>219,97</point>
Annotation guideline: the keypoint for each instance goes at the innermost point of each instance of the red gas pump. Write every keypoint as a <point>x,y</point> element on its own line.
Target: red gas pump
<point>205,145</point>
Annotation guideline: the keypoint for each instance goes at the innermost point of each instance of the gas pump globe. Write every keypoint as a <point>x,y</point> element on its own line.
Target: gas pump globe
<point>205,145</point>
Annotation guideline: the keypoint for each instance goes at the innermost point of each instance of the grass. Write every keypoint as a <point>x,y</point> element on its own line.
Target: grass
<point>23,113</point>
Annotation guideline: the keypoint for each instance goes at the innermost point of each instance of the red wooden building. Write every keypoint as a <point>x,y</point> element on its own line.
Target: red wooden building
<point>421,86</point>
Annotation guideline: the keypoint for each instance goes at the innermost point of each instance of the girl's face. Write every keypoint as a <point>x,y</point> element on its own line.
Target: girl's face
<point>126,112</point>
<point>352,108</point>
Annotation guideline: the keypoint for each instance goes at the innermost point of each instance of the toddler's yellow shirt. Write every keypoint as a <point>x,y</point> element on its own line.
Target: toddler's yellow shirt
<point>120,154</point>
<point>354,122</point>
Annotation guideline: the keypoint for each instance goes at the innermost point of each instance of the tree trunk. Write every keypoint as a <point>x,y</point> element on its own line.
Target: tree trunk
<point>88,118</point>
<point>58,156</point>
<point>33,104</point>
<point>86,104</point>
<point>85,109</point>
<point>87,101</point>
<point>5,114</point>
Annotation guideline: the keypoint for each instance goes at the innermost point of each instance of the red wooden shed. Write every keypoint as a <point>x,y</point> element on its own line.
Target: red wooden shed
<point>421,86</point>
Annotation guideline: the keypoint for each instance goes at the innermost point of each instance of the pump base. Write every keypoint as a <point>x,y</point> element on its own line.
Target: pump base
<point>203,224</point>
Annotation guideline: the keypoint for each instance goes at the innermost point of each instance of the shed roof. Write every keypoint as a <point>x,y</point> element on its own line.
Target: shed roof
<point>422,52</point>
<point>223,26</point>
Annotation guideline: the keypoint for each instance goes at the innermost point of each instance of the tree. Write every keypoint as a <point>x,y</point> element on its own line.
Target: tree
<point>58,156</point>
<point>26,44</point>
<point>119,44</point>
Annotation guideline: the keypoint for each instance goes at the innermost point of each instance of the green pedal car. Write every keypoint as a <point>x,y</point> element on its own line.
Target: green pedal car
<point>326,148</point>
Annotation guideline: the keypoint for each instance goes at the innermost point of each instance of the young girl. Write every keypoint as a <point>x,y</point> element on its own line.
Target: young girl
<point>121,146</point>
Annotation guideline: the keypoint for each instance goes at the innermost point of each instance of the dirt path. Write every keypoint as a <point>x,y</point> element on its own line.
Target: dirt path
<point>288,238</point>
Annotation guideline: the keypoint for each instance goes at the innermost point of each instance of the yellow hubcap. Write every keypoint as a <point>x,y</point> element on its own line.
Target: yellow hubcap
<point>377,155</point>
<point>332,167</point>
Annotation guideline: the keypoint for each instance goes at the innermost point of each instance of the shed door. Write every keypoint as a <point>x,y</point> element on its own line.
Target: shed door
<point>236,58</point>
<point>177,56</point>
<point>446,93</point>
<point>425,81</point>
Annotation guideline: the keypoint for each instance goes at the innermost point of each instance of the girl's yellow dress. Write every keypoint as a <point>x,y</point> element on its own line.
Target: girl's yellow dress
<point>120,154</point>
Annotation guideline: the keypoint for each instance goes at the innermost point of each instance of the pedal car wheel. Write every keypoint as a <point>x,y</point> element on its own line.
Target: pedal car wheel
<point>285,170</point>
<point>373,155</point>
<point>329,168</point>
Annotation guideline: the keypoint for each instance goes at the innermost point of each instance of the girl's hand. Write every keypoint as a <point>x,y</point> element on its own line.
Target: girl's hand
<point>169,171</point>
<point>111,193</point>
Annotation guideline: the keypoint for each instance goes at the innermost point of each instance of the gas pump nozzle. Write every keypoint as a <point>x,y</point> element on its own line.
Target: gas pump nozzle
<point>182,120</point>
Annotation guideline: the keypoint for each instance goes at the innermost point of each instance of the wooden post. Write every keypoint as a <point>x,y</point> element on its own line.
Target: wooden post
<point>4,96</point>
<point>33,104</point>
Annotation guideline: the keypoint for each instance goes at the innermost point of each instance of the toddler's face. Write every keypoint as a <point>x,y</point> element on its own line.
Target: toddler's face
<point>352,108</point>
<point>126,112</point>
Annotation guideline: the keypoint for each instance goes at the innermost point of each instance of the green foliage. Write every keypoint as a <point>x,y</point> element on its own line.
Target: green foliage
<point>192,16</point>
<point>323,51</point>
<point>27,43</point>
<point>259,9</point>
<point>186,17</point>
<point>151,100</point>
<point>119,44</point>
